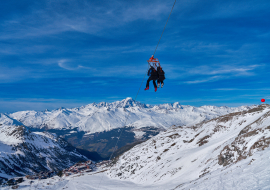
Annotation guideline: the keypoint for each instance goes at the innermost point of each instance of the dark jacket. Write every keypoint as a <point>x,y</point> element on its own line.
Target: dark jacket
<point>161,73</point>
<point>152,72</point>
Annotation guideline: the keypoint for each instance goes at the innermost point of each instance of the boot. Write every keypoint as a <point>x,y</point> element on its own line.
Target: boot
<point>155,89</point>
<point>162,85</point>
<point>158,84</point>
<point>147,88</point>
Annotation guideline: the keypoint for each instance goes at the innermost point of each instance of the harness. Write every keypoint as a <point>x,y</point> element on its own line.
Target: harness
<point>154,62</point>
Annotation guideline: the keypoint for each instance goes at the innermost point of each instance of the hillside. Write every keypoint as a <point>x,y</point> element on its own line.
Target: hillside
<point>228,152</point>
<point>185,154</point>
<point>24,152</point>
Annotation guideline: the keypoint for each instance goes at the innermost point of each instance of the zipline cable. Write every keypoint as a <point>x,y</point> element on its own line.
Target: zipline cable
<point>127,117</point>
<point>164,28</point>
<point>122,129</point>
<point>137,93</point>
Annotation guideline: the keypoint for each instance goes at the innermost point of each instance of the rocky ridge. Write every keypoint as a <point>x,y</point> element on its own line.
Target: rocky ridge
<point>24,152</point>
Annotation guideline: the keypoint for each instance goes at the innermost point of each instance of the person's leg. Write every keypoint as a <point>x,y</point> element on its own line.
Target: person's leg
<point>154,82</point>
<point>158,83</point>
<point>147,84</point>
<point>162,83</point>
<point>155,85</point>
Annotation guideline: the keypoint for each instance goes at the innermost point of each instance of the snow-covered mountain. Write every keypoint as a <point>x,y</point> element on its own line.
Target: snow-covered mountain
<point>24,152</point>
<point>106,116</point>
<point>230,152</point>
<point>184,157</point>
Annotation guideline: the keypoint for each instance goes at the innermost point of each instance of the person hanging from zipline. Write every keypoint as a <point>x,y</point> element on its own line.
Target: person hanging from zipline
<point>161,76</point>
<point>153,75</point>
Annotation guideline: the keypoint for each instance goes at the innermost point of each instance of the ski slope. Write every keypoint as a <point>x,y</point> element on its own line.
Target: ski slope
<point>240,176</point>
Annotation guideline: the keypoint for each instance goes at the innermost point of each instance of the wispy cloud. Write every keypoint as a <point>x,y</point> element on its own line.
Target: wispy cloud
<point>119,71</point>
<point>55,49</point>
<point>12,74</point>
<point>242,89</point>
<point>210,79</point>
<point>222,9</point>
<point>54,17</point>
<point>62,62</point>
<point>100,82</point>
<point>225,69</point>
<point>229,89</point>
<point>217,72</point>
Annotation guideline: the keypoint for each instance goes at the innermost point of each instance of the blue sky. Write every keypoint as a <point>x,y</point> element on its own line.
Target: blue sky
<point>74,52</point>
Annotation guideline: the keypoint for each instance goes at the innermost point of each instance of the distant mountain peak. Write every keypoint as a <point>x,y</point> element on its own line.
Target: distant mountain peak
<point>61,108</point>
<point>177,105</point>
<point>129,102</point>
<point>6,120</point>
<point>97,117</point>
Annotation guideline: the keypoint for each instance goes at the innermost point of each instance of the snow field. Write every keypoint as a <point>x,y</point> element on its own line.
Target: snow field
<point>251,173</point>
<point>155,162</point>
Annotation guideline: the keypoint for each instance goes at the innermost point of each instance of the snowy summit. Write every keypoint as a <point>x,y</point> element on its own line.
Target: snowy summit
<point>105,116</point>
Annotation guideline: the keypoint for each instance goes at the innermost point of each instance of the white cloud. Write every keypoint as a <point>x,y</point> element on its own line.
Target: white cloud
<point>254,89</point>
<point>224,69</point>
<point>229,89</point>
<point>86,17</point>
<point>62,64</point>
<point>220,72</point>
<point>65,64</point>
<point>117,71</point>
<point>12,74</point>
<point>210,79</point>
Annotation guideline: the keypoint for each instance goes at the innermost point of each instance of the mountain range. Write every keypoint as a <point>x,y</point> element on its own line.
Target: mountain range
<point>33,141</point>
<point>106,116</point>
<point>97,126</point>
<point>23,152</point>
<point>227,152</point>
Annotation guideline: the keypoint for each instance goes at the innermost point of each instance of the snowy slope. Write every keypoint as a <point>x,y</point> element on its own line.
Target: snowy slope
<point>230,152</point>
<point>246,174</point>
<point>185,154</point>
<point>106,116</point>
<point>23,152</point>
<point>248,131</point>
